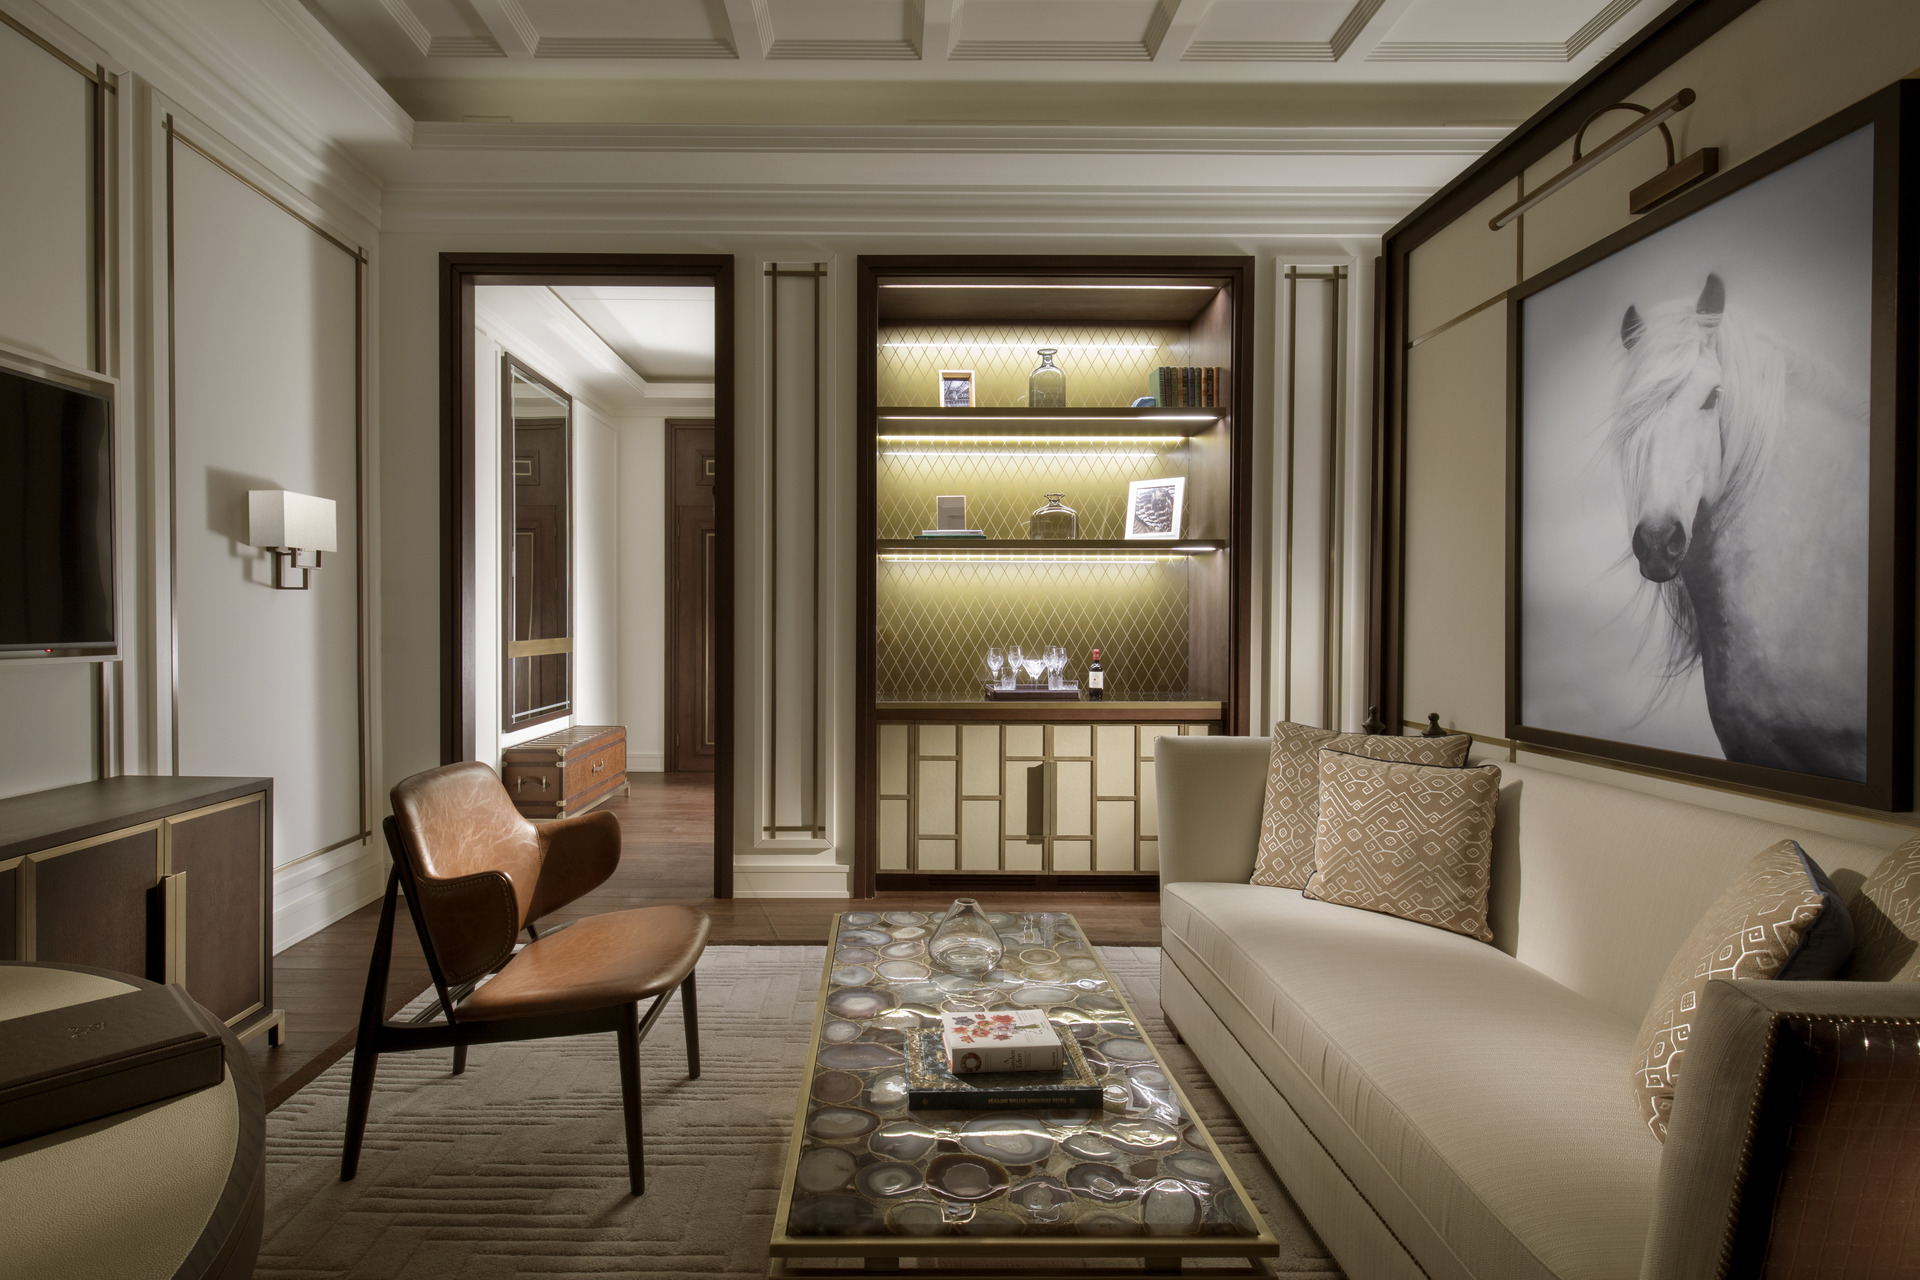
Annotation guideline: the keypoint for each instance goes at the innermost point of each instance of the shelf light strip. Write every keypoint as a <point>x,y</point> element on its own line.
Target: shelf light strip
<point>1037,417</point>
<point>1140,440</point>
<point>1025,346</point>
<point>1141,455</point>
<point>1209,288</point>
<point>1021,557</point>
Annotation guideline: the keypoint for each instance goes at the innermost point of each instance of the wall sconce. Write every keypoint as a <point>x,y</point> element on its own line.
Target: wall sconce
<point>288,524</point>
<point>1663,186</point>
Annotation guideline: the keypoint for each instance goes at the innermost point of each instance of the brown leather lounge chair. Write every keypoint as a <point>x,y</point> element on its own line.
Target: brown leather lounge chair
<point>475,873</point>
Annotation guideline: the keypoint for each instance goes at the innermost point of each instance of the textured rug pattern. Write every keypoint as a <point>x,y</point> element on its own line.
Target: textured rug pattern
<point>518,1168</point>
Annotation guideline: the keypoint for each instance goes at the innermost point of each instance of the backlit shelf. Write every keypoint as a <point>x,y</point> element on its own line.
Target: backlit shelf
<point>1028,424</point>
<point>1056,550</point>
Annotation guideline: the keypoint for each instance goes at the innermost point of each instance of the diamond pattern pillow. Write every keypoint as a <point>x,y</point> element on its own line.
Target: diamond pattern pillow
<point>1780,918</point>
<point>1291,809</point>
<point>1886,920</point>
<point>1409,840</point>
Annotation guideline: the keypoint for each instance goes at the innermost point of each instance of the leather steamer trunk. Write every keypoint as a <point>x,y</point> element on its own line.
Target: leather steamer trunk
<point>567,772</point>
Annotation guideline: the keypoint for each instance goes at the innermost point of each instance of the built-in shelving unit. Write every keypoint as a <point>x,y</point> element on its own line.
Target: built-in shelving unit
<point>947,779</point>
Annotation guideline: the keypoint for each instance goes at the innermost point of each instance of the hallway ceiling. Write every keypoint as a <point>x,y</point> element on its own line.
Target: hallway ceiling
<point>628,350</point>
<point>967,60</point>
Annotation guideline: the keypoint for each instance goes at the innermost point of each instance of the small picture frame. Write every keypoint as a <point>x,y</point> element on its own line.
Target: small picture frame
<point>1154,507</point>
<point>956,388</point>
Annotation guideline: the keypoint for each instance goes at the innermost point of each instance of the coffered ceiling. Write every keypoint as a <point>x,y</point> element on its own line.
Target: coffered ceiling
<point>458,55</point>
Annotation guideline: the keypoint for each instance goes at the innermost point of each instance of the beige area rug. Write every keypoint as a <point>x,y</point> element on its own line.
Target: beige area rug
<point>518,1168</point>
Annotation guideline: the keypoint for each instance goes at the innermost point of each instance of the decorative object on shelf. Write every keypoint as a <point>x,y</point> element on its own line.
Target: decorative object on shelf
<point>956,388</point>
<point>950,512</point>
<point>995,660</point>
<point>1096,679</point>
<point>1154,507</point>
<point>966,941</point>
<point>1056,663</point>
<point>1055,521</point>
<point>1013,666</point>
<point>286,524</point>
<point>1187,386</point>
<point>1741,349</point>
<point>1069,692</point>
<point>1047,385</point>
<point>1146,402</point>
<point>1036,666</point>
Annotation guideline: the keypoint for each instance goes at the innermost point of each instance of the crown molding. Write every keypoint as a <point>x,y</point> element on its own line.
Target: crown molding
<point>704,211</point>
<point>353,77</point>
<point>1464,140</point>
<point>190,64</point>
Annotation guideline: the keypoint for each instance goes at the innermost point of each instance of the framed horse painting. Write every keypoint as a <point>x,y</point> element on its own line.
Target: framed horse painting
<point>1711,529</point>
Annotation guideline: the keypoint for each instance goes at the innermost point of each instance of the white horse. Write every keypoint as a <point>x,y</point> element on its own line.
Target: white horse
<point>1744,471</point>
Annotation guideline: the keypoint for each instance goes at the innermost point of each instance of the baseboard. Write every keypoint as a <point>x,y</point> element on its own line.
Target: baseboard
<point>789,882</point>
<point>656,763</point>
<point>305,904</point>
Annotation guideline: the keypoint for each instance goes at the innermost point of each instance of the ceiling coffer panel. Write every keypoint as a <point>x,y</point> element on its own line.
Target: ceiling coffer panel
<point>1502,30</point>
<point>843,29</point>
<point>624,29</point>
<point>1263,31</point>
<point>1058,31</point>
<point>443,28</point>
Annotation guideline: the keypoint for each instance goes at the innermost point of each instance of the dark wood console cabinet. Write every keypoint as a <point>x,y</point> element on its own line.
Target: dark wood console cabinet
<point>169,879</point>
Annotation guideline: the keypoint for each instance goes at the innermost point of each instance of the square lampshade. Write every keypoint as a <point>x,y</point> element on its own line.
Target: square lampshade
<point>279,518</point>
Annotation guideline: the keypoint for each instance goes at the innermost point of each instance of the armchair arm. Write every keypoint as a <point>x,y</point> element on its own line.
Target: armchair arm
<point>576,855</point>
<point>470,920</point>
<point>1784,1082</point>
<point>1211,790</point>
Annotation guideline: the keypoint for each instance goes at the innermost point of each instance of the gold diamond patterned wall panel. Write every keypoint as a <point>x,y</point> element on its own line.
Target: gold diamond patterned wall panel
<point>1106,368</point>
<point>935,618</point>
<point>1004,480</point>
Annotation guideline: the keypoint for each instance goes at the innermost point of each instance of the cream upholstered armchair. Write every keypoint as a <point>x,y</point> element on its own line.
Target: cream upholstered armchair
<point>476,874</point>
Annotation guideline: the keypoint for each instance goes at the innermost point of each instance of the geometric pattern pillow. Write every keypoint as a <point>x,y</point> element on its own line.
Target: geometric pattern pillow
<point>1755,930</point>
<point>1409,840</point>
<point>1886,920</point>
<point>1290,811</point>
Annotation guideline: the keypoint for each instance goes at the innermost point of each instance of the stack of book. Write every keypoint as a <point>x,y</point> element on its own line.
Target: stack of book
<point>996,1060</point>
<point>1188,386</point>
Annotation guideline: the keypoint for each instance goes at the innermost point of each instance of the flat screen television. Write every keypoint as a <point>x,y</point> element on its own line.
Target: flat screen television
<point>56,519</point>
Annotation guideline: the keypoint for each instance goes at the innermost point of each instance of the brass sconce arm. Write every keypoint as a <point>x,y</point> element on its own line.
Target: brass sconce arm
<point>1669,182</point>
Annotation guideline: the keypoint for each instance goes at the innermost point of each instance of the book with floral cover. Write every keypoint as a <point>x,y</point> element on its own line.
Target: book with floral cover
<point>932,1087</point>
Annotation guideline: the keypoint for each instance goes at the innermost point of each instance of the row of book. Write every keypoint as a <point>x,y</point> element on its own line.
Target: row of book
<point>1188,386</point>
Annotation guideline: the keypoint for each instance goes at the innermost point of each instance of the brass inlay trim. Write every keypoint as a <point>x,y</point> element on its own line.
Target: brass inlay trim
<point>539,648</point>
<point>309,857</point>
<point>95,74</point>
<point>1462,318</point>
<point>107,837</point>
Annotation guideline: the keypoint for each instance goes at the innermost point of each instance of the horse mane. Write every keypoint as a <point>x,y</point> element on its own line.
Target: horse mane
<point>1752,413</point>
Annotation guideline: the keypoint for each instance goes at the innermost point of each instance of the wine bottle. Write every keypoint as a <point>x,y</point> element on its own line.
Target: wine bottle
<point>1096,679</point>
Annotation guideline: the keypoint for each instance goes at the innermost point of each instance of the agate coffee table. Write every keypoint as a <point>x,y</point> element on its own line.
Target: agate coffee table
<point>869,1181</point>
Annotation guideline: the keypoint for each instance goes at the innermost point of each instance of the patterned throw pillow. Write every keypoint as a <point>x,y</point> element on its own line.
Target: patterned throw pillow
<point>1780,918</point>
<point>1886,920</point>
<point>1409,840</point>
<point>1291,809</point>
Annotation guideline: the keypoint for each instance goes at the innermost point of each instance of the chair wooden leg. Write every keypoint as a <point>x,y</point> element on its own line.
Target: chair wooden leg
<point>366,1052</point>
<point>628,1037</point>
<point>690,1014</point>
<point>459,1059</point>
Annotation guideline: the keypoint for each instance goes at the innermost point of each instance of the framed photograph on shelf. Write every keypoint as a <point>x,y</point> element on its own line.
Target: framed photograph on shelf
<point>1154,507</point>
<point>956,388</point>
<point>1710,461</point>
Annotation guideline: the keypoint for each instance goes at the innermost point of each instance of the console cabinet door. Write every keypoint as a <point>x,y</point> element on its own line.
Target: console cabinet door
<point>220,852</point>
<point>91,902</point>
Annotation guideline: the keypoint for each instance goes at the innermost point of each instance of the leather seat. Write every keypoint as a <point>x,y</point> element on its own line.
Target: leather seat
<point>617,958</point>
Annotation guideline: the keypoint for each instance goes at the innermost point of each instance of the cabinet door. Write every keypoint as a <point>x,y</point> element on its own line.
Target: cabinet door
<point>222,853</point>
<point>90,902</point>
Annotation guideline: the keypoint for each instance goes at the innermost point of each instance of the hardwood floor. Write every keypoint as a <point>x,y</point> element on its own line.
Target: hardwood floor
<point>667,857</point>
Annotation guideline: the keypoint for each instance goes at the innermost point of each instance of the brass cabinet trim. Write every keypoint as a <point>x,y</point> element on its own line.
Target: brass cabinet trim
<point>539,648</point>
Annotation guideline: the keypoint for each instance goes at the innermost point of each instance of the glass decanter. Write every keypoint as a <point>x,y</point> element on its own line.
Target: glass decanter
<point>1054,521</point>
<point>966,941</point>
<point>1047,385</point>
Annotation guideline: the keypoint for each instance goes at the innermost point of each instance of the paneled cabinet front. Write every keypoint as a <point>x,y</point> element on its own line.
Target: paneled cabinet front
<point>1020,799</point>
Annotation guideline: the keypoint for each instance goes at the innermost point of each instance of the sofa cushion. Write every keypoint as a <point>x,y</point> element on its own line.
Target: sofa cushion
<point>1886,920</point>
<point>1291,807</point>
<point>1473,1101</point>
<point>1780,918</point>
<point>1411,840</point>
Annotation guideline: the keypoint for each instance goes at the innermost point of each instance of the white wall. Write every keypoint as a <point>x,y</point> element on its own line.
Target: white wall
<point>47,720</point>
<point>642,500</point>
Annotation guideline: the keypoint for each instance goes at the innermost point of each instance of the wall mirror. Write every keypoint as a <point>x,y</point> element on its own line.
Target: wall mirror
<point>536,561</point>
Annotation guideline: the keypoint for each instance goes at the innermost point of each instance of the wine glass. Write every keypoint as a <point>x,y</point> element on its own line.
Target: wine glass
<point>1056,663</point>
<point>1035,663</point>
<point>994,659</point>
<point>1014,661</point>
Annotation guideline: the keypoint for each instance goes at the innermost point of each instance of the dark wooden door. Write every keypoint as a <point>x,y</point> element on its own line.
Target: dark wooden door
<point>692,713</point>
<point>541,610</point>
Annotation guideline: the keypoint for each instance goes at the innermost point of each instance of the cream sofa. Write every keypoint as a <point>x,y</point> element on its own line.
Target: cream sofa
<point>1437,1106</point>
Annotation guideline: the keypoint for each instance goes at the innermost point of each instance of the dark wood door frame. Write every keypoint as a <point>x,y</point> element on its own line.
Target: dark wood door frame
<point>683,754</point>
<point>459,478</point>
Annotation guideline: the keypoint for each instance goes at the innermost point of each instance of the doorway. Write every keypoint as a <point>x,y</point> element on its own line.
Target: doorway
<point>613,304</point>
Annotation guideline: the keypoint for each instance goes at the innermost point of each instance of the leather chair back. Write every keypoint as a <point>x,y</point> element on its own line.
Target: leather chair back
<point>474,862</point>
